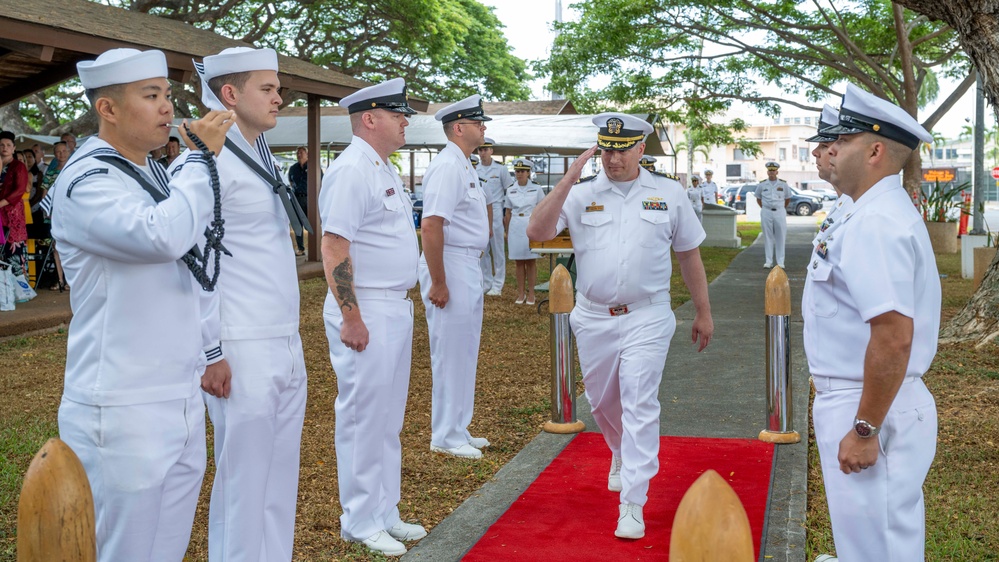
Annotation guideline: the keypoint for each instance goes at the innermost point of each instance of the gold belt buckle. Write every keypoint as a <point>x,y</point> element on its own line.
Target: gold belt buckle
<point>618,310</point>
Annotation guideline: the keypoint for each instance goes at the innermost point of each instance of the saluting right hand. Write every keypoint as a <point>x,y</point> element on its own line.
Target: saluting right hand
<point>576,168</point>
<point>211,129</point>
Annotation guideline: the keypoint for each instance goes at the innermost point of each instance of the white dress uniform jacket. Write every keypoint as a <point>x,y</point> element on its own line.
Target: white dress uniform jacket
<point>773,218</point>
<point>709,192</point>
<point>253,315</point>
<point>496,180</point>
<point>622,319</point>
<point>874,258</point>
<point>130,407</point>
<point>363,201</point>
<point>452,192</point>
<point>521,201</point>
<point>694,194</point>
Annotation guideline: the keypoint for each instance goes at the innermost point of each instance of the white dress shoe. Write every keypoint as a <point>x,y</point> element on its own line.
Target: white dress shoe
<point>382,543</point>
<point>403,531</point>
<point>630,524</point>
<point>520,300</point>
<point>767,265</point>
<point>465,451</point>
<point>614,477</point>
<point>826,558</point>
<point>494,292</point>
<point>478,442</point>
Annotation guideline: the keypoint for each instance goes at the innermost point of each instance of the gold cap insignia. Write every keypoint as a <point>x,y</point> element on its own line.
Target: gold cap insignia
<point>877,128</point>
<point>614,126</point>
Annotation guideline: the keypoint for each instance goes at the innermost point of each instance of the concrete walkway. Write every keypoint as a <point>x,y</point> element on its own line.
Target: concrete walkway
<point>717,393</point>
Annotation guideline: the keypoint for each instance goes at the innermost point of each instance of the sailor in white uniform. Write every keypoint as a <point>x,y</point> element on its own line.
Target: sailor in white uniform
<point>648,162</point>
<point>829,118</point>
<point>496,180</point>
<point>623,222</point>
<point>709,189</point>
<point>370,255</point>
<point>694,194</point>
<point>255,387</point>
<point>131,410</point>
<point>871,309</point>
<point>773,196</point>
<point>521,198</point>
<point>455,231</point>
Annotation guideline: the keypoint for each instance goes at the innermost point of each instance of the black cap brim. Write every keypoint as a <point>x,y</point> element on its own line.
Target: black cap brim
<point>821,138</point>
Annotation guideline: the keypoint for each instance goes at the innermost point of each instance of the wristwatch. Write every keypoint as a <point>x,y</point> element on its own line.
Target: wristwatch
<point>864,429</point>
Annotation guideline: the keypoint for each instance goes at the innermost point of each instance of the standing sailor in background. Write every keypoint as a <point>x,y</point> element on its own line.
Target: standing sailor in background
<point>455,231</point>
<point>255,383</point>
<point>496,180</point>
<point>709,189</point>
<point>773,196</point>
<point>370,255</point>
<point>648,162</point>
<point>131,410</point>
<point>521,199</point>
<point>694,194</point>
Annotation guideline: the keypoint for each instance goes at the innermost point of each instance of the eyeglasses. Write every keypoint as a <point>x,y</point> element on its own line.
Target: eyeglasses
<point>478,124</point>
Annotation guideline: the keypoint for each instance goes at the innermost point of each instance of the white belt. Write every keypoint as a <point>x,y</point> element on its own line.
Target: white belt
<point>379,293</point>
<point>460,250</point>
<point>829,384</point>
<point>620,309</point>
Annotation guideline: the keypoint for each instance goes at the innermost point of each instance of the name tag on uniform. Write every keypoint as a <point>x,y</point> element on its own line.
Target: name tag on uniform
<point>390,192</point>
<point>650,205</point>
<point>593,207</point>
<point>780,189</point>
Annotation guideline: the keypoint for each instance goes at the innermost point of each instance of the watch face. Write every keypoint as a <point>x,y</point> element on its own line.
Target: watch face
<point>863,429</point>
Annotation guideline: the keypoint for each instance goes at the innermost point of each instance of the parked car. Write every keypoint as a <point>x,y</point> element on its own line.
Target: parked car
<point>728,194</point>
<point>738,198</point>
<point>804,203</point>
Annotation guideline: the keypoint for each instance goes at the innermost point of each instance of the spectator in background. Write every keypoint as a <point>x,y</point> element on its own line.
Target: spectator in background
<point>298,176</point>
<point>61,151</point>
<point>70,140</point>
<point>39,157</point>
<point>520,200</point>
<point>13,186</point>
<point>694,194</point>
<point>172,151</point>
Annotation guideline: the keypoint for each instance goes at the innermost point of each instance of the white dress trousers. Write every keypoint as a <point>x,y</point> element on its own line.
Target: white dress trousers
<point>258,433</point>
<point>877,514</point>
<point>370,405</point>
<point>455,332</point>
<point>493,261</point>
<point>622,359</point>
<point>773,218</point>
<point>145,464</point>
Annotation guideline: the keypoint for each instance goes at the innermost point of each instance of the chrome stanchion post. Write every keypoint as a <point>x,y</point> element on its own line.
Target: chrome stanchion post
<point>780,411</point>
<point>560,303</point>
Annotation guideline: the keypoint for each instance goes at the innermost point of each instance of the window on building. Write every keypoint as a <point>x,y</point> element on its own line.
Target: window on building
<point>938,153</point>
<point>797,120</point>
<point>787,120</point>
<point>952,154</point>
<point>738,155</point>
<point>794,151</point>
<point>803,154</point>
<point>782,154</point>
<point>808,120</point>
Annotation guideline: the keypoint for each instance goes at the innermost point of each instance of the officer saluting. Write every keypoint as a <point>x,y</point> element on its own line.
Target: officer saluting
<point>773,195</point>
<point>871,309</point>
<point>623,222</point>
<point>455,231</point>
<point>131,409</point>
<point>370,255</point>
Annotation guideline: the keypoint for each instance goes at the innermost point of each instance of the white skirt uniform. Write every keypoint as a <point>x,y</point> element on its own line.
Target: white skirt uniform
<point>521,200</point>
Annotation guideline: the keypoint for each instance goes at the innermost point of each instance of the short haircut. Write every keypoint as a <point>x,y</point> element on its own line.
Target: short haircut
<point>449,129</point>
<point>57,143</point>
<point>236,80</point>
<point>173,139</point>
<point>113,91</point>
<point>898,152</point>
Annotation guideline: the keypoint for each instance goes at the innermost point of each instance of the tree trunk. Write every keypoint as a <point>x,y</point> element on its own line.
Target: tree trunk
<point>977,26</point>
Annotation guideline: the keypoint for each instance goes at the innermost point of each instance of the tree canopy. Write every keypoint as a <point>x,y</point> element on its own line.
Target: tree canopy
<point>671,52</point>
<point>446,49</point>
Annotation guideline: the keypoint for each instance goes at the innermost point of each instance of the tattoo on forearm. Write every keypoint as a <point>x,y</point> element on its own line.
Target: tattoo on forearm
<point>343,276</point>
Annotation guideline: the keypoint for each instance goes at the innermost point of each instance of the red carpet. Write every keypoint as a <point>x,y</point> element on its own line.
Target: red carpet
<point>568,513</point>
